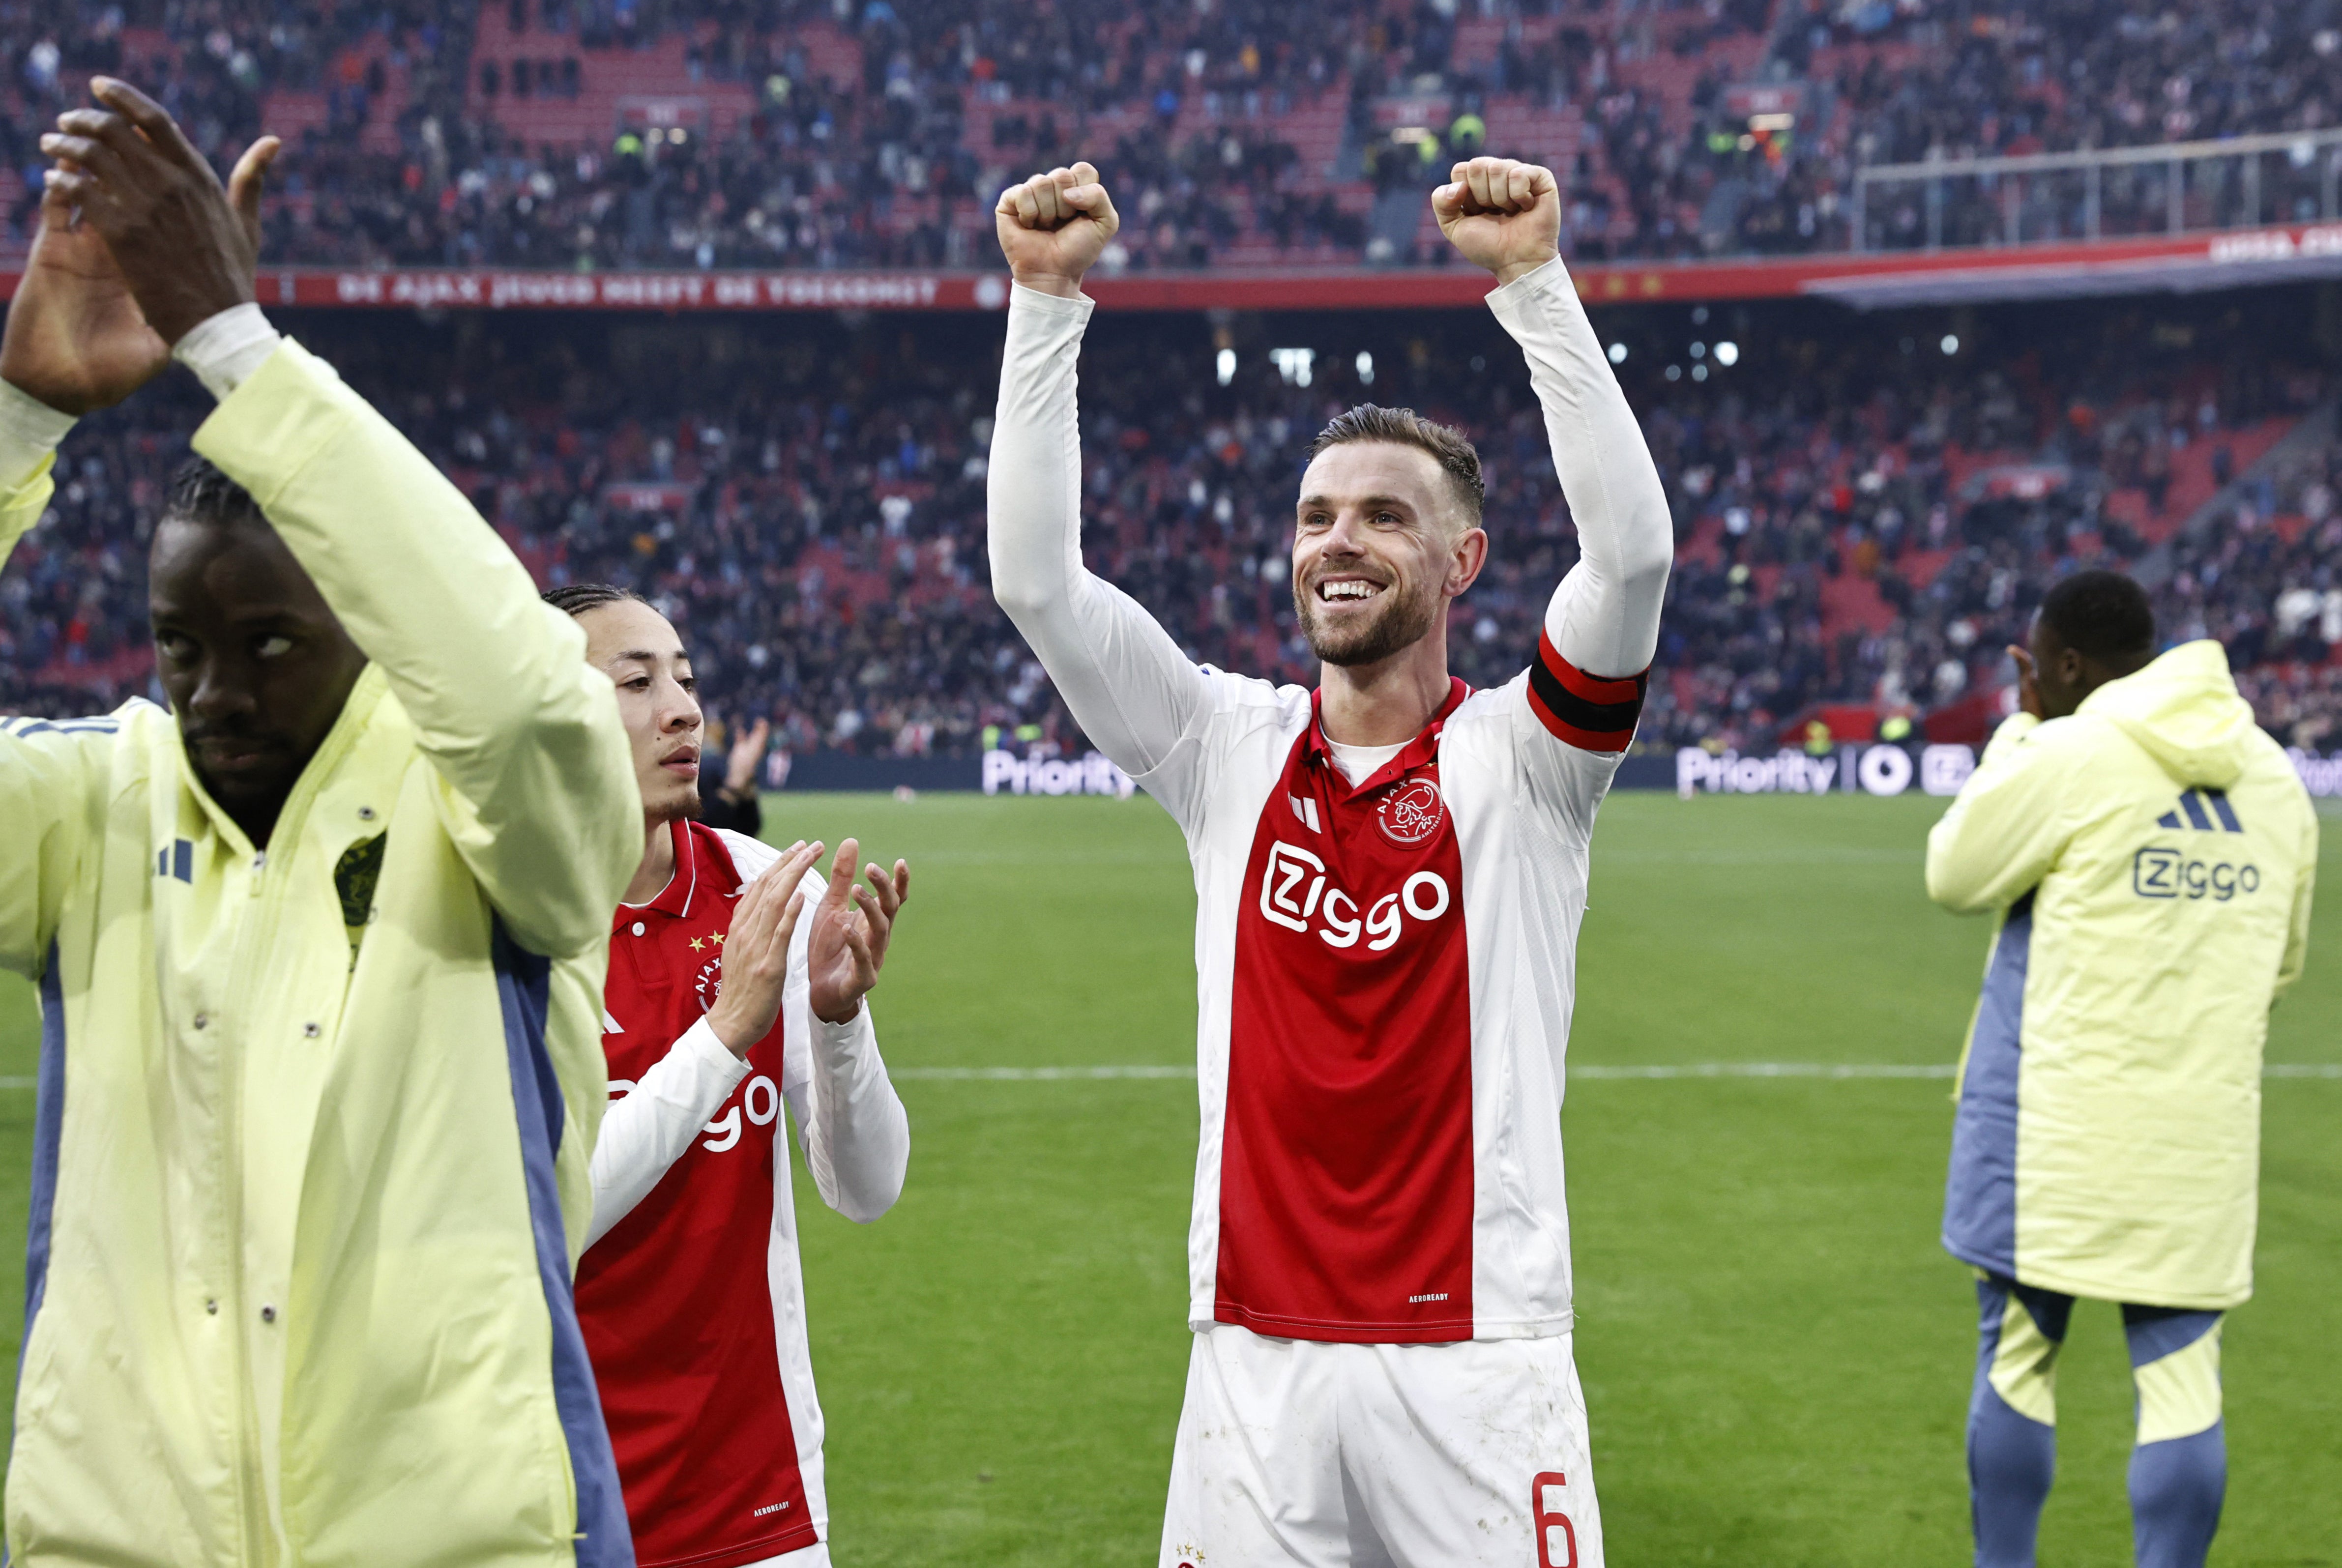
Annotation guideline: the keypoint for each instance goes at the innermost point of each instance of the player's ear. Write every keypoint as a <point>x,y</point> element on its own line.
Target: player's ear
<point>1471,554</point>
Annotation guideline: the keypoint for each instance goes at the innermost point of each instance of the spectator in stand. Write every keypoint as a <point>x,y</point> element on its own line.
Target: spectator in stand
<point>927,101</point>
<point>807,506</point>
<point>734,805</point>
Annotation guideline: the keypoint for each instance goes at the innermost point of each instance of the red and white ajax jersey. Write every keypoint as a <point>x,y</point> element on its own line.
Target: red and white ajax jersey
<point>692,1303</point>
<point>1385,982</point>
<point>1384,971</point>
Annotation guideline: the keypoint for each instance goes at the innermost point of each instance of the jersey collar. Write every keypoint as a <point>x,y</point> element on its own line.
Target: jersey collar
<point>1413,756</point>
<point>675,898</point>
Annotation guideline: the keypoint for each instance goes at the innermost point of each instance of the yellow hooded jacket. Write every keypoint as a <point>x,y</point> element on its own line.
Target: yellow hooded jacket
<point>313,1117</point>
<point>2153,855</point>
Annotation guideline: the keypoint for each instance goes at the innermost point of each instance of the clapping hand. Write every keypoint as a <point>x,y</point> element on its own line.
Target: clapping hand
<point>184,246</point>
<point>76,338</point>
<point>852,926</point>
<point>756,968</point>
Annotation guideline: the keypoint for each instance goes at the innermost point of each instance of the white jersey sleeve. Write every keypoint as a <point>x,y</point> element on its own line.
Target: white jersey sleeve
<point>1604,617</point>
<point>1585,689</point>
<point>856,1134</point>
<point>649,1127</point>
<point>1125,682</point>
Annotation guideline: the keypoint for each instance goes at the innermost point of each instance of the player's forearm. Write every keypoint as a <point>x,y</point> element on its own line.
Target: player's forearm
<point>857,1137</point>
<point>1605,617</point>
<point>2296,940</point>
<point>2003,832</point>
<point>1967,867</point>
<point>495,682</point>
<point>1033,482</point>
<point>46,794</point>
<point>652,1127</point>
<point>1125,681</point>
<point>418,578</point>
<point>30,433</point>
<point>46,784</point>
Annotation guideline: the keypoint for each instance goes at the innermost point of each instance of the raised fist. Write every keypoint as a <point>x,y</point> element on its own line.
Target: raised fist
<point>1053,226</point>
<point>1501,214</point>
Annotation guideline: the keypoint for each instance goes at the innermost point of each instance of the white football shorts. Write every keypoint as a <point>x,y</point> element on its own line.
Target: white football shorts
<point>1318,1455</point>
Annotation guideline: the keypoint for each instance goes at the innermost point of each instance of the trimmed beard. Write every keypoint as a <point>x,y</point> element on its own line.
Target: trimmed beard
<point>685,808</point>
<point>1401,623</point>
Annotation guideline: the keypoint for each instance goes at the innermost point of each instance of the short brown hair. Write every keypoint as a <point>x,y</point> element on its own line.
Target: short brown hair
<point>1456,456</point>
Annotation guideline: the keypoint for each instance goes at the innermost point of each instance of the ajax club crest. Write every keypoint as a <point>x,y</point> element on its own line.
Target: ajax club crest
<point>1411,813</point>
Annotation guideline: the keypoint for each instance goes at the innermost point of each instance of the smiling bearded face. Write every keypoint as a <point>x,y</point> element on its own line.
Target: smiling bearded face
<point>1373,550</point>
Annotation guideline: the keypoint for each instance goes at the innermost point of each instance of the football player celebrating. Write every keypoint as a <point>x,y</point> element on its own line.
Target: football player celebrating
<point>737,984</point>
<point>319,948</point>
<point>1390,872</point>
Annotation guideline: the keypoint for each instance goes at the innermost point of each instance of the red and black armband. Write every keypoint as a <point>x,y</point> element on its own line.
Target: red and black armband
<point>1588,712</point>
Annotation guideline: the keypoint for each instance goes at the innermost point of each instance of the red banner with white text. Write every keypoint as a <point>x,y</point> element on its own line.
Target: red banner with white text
<point>2228,259</point>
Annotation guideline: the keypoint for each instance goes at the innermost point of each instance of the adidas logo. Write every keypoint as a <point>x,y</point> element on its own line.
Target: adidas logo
<point>2192,803</point>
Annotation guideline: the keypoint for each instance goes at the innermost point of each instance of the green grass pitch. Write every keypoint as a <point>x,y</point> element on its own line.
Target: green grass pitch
<point>1776,1353</point>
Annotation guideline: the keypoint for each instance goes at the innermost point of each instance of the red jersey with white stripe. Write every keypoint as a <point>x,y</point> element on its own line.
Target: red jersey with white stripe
<point>1384,971</point>
<point>1345,1174</point>
<point>691,1304</point>
<point>1386,983</point>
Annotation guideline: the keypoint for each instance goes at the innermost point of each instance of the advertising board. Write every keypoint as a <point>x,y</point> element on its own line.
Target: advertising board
<point>1874,770</point>
<point>1877,770</point>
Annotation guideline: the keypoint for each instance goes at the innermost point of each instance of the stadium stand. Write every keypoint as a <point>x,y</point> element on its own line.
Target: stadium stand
<point>597,133</point>
<point>1864,519</point>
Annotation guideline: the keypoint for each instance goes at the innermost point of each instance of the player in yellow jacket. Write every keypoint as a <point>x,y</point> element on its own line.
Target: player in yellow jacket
<point>2151,851</point>
<point>320,957</point>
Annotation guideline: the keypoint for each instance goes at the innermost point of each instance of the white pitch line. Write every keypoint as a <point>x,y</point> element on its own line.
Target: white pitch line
<point>1770,1070</point>
<point>1590,1069</point>
<point>1034,1075</point>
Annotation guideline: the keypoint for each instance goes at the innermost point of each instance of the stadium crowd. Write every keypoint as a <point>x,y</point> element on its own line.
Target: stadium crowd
<point>867,133</point>
<point>1863,517</point>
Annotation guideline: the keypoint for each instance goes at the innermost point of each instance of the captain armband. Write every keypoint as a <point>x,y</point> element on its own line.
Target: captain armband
<point>1587,711</point>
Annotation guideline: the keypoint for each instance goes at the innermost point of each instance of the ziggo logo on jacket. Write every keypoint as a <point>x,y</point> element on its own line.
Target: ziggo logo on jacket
<point>1286,901</point>
<point>2160,873</point>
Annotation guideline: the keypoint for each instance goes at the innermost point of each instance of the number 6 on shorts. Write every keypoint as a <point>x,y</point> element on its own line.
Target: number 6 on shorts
<point>1557,1539</point>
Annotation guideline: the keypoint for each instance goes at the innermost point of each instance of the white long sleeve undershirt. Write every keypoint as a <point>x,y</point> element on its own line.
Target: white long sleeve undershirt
<point>224,350</point>
<point>1127,682</point>
<point>856,1134</point>
<point>1603,618</point>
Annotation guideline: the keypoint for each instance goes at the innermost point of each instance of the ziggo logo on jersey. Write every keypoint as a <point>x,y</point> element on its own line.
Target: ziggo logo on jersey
<point>726,1127</point>
<point>1284,901</point>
